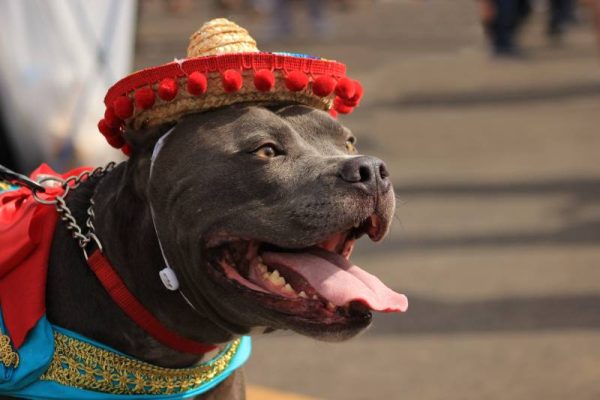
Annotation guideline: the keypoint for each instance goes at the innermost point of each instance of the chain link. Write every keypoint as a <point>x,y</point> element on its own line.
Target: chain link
<point>69,184</point>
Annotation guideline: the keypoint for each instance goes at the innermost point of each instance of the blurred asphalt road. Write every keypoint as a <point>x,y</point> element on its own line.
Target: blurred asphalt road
<point>497,168</point>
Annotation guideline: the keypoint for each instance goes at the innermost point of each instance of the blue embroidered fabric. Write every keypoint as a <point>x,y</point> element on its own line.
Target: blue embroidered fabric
<point>35,356</point>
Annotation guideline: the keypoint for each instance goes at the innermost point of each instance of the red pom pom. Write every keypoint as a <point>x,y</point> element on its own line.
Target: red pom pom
<point>351,102</point>
<point>167,89</point>
<point>111,119</point>
<point>333,113</point>
<point>123,107</point>
<point>232,81</point>
<point>323,85</point>
<point>358,94</point>
<point>115,141</point>
<point>345,88</point>
<point>197,83</point>
<point>144,98</point>
<point>126,149</point>
<point>104,128</point>
<point>340,107</point>
<point>264,80</point>
<point>358,90</point>
<point>296,81</point>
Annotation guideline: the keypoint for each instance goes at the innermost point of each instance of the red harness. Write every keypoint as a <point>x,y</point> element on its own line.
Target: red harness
<point>26,231</point>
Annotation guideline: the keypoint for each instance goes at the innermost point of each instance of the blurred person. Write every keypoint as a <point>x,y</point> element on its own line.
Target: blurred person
<point>561,12</point>
<point>284,22</point>
<point>572,14</point>
<point>178,7</point>
<point>56,59</point>
<point>501,20</point>
<point>595,7</point>
<point>245,7</point>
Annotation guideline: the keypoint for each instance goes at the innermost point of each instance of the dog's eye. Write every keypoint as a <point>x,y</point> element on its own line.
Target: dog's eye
<point>350,144</point>
<point>266,151</point>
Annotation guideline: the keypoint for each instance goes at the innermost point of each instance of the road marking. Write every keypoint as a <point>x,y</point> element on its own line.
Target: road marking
<point>262,393</point>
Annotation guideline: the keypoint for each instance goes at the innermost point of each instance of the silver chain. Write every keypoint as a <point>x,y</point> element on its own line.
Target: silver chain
<point>72,183</point>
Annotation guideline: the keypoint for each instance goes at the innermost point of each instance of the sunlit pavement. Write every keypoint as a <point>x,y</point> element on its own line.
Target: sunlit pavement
<point>262,393</point>
<point>496,166</point>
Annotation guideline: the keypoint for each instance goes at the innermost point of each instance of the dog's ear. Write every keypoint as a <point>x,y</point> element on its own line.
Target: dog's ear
<point>142,140</point>
<point>142,143</point>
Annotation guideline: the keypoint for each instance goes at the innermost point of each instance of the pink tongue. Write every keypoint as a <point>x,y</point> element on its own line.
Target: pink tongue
<point>338,281</point>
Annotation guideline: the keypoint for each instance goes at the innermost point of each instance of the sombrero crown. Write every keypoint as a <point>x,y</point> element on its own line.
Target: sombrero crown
<point>223,67</point>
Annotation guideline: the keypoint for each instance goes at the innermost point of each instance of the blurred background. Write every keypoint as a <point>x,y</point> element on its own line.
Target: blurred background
<point>488,115</point>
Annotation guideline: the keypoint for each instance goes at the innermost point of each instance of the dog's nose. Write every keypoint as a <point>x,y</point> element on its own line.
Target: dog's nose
<point>367,171</point>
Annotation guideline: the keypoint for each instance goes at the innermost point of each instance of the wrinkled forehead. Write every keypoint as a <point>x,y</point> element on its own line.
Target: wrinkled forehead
<point>230,128</point>
<point>302,119</point>
<point>312,123</point>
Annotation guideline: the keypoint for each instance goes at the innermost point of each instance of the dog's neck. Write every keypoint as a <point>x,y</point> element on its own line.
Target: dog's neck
<point>77,301</point>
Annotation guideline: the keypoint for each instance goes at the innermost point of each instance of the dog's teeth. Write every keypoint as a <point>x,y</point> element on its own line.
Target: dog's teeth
<point>289,289</point>
<point>303,295</point>
<point>277,279</point>
<point>330,306</point>
<point>262,267</point>
<point>357,225</point>
<point>315,297</point>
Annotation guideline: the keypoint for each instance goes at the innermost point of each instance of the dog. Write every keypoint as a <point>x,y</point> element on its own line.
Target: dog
<point>236,214</point>
<point>228,186</point>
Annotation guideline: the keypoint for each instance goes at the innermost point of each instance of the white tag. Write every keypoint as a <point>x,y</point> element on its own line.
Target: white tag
<point>167,275</point>
<point>158,147</point>
<point>169,279</point>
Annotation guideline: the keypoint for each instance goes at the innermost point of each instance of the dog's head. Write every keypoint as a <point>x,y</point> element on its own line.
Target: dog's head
<point>258,209</point>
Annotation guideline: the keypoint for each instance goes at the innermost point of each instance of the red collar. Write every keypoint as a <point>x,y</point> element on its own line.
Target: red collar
<point>26,231</point>
<point>118,291</point>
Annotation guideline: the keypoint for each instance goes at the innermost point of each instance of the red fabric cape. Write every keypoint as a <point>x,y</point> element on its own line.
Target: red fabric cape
<point>26,230</point>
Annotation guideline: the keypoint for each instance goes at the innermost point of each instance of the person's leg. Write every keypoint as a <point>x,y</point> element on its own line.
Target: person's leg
<point>564,11</point>
<point>571,10</point>
<point>558,16</point>
<point>523,12</point>
<point>504,25</point>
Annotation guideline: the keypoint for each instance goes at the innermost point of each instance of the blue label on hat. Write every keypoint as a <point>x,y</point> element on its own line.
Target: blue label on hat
<point>301,55</point>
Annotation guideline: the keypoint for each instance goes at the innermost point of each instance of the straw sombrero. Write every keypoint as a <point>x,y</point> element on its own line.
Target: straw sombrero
<point>223,67</point>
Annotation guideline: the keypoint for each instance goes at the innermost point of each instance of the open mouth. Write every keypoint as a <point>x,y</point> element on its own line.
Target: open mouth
<point>314,283</point>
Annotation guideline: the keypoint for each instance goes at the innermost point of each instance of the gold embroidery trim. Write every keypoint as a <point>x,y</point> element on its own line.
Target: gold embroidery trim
<point>82,365</point>
<point>8,356</point>
<point>4,186</point>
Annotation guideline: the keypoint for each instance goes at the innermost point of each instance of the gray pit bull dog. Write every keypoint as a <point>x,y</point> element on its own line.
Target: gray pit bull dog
<point>255,204</point>
<point>236,192</point>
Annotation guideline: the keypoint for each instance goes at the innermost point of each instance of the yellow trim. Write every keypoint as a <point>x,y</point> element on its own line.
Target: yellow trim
<point>5,186</point>
<point>8,356</point>
<point>82,365</point>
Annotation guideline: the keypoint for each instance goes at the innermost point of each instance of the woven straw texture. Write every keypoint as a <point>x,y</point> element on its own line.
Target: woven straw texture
<point>220,36</point>
<point>185,103</point>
